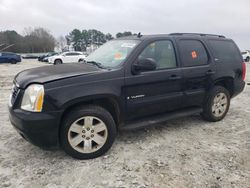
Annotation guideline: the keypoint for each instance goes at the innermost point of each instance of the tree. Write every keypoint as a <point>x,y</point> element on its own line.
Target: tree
<point>12,38</point>
<point>85,38</point>
<point>75,37</point>
<point>108,37</point>
<point>124,34</point>
<point>61,43</point>
<point>118,35</point>
<point>34,40</point>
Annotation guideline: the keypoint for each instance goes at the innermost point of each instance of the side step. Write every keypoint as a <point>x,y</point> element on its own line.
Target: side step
<point>149,121</point>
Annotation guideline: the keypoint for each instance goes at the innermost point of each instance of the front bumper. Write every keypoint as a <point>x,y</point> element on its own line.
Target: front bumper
<point>40,129</point>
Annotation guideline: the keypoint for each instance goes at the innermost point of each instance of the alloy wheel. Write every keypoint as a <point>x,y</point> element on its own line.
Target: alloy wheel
<point>87,134</point>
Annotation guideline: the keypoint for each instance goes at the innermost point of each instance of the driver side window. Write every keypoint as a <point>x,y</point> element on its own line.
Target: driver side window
<point>162,52</point>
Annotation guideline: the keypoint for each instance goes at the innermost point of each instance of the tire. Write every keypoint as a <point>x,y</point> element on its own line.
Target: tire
<point>13,61</point>
<point>58,62</point>
<point>247,59</point>
<point>77,130</point>
<point>216,104</point>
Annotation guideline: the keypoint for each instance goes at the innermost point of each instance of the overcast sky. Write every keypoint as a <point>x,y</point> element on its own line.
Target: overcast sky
<point>227,17</point>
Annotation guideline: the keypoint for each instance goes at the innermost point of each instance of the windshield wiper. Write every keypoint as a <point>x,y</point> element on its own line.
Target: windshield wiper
<point>99,65</point>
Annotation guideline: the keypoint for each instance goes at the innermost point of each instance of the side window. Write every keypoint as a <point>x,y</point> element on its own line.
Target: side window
<point>162,52</point>
<point>225,51</point>
<point>76,53</point>
<point>192,53</point>
<point>70,54</point>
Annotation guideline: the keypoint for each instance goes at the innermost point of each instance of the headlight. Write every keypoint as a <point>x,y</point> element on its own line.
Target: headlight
<point>33,98</point>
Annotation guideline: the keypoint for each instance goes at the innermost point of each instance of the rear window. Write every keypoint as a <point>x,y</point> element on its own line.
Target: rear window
<point>193,53</point>
<point>225,51</point>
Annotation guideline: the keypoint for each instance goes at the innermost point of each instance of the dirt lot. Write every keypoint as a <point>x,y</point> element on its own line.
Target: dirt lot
<point>187,152</point>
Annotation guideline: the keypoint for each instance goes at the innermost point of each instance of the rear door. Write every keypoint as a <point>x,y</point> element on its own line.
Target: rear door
<point>157,91</point>
<point>70,57</point>
<point>74,57</point>
<point>197,68</point>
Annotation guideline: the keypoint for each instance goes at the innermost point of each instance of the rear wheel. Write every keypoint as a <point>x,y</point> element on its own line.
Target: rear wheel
<point>13,61</point>
<point>87,132</point>
<point>58,61</point>
<point>216,104</point>
<point>247,59</point>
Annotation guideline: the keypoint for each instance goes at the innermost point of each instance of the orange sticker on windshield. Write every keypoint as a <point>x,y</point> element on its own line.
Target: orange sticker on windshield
<point>118,56</point>
<point>194,54</point>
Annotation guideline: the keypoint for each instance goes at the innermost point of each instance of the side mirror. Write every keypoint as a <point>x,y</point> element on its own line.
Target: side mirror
<point>146,64</point>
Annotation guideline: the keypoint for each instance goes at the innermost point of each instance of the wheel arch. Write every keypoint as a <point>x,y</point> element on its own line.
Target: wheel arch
<point>226,82</point>
<point>108,102</point>
<point>58,59</point>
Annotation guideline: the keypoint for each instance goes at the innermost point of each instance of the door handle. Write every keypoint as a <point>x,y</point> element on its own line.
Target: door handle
<point>210,72</point>
<point>174,77</point>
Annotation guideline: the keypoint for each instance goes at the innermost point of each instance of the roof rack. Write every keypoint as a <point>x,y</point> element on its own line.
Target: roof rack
<point>199,34</point>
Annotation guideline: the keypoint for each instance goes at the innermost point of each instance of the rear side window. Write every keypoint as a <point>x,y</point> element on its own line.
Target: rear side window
<point>225,51</point>
<point>192,52</point>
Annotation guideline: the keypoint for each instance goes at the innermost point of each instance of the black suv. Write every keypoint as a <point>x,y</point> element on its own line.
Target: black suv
<point>127,83</point>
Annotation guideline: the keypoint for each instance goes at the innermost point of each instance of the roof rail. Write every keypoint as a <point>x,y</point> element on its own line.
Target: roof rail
<point>199,34</point>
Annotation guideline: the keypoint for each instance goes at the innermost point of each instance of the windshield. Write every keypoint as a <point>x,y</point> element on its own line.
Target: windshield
<point>112,53</point>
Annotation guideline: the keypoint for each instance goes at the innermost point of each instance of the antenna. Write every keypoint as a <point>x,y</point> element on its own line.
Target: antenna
<point>139,35</point>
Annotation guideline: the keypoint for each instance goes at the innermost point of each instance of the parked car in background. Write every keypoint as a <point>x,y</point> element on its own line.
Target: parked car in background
<point>45,57</point>
<point>246,55</point>
<point>67,57</point>
<point>9,57</point>
<point>30,56</point>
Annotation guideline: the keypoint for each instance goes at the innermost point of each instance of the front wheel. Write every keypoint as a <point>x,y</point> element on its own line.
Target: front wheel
<point>87,132</point>
<point>216,104</point>
<point>57,62</point>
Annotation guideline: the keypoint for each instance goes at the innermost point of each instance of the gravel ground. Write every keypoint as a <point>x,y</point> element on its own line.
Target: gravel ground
<point>186,152</point>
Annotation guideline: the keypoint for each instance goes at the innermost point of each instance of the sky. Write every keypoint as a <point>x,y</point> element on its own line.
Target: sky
<point>227,17</point>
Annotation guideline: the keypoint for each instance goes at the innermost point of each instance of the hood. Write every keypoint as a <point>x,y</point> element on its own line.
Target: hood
<point>52,73</point>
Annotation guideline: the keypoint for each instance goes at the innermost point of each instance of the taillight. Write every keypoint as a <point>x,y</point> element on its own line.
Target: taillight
<point>243,71</point>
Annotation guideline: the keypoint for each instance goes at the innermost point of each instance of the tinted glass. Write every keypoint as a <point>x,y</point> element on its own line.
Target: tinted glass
<point>162,52</point>
<point>192,53</point>
<point>76,53</point>
<point>225,51</point>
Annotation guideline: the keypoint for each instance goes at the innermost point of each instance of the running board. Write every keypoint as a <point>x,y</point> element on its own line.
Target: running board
<point>145,122</point>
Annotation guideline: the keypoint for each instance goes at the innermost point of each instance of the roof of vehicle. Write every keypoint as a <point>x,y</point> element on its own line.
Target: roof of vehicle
<point>10,53</point>
<point>195,35</point>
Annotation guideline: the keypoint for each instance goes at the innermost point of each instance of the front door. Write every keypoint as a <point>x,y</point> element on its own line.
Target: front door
<point>152,92</point>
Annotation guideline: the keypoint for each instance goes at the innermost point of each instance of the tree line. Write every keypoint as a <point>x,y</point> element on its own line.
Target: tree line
<point>37,40</point>
<point>33,41</point>
<point>85,38</point>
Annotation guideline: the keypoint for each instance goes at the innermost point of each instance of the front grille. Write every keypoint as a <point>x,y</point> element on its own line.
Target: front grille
<point>14,93</point>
